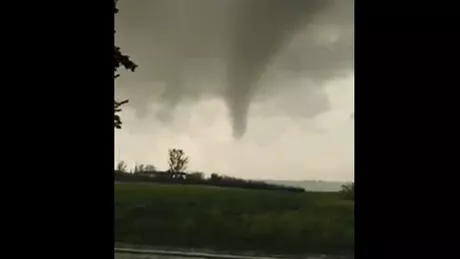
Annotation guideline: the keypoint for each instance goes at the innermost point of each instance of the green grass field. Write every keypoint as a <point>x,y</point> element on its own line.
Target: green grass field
<point>228,219</point>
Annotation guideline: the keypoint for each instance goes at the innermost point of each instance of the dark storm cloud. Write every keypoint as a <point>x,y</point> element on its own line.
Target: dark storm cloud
<point>190,49</point>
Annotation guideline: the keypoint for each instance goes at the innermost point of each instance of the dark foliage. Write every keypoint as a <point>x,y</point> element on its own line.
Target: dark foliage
<point>117,120</point>
<point>169,177</point>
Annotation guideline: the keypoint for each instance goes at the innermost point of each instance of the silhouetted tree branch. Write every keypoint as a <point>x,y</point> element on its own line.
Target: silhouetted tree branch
<point>117,121</point>
<point>124,61</point>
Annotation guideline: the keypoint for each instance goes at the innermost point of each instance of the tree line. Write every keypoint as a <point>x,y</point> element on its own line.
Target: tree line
<point>177,173</point>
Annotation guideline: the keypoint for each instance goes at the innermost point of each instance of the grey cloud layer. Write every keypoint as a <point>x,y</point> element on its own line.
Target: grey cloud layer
<point>240,50</point>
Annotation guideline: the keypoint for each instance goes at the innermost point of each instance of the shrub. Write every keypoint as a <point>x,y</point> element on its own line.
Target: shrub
<point>348,191</point>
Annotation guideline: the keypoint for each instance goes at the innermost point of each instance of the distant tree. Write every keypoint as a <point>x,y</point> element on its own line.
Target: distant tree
<point>144,168</point>
<point>177,161</point>
<point>195,176</point>
<point>121,167</point>
<point>215,177</point>
<point>124,61</point>
<point>348,191</point>
<point>149,168</point>
<point>139,168</point>
<point>136,168</point>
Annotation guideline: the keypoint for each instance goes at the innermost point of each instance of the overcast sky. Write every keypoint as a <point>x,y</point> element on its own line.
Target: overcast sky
<point>268,98</point>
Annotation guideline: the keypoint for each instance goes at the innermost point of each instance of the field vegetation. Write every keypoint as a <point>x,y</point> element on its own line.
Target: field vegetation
<point>233,219</point>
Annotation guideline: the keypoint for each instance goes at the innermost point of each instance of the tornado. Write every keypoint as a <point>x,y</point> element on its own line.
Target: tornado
<point>261,29</point>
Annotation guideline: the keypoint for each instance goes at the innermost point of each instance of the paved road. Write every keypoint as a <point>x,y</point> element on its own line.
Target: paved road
<point>129,253</point>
